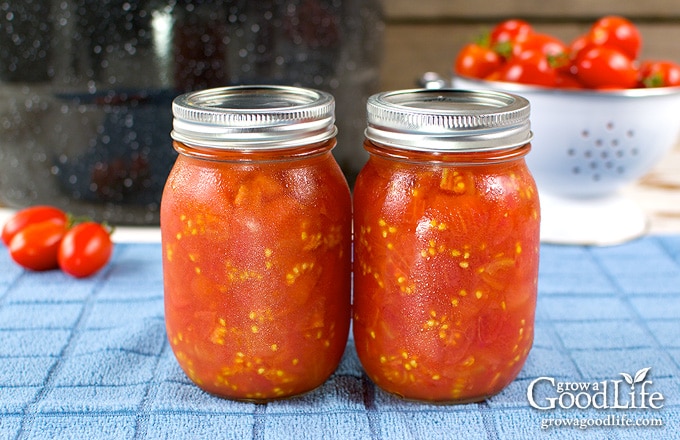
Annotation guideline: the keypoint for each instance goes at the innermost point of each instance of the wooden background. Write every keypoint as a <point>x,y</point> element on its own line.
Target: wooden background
<point>425,35</point>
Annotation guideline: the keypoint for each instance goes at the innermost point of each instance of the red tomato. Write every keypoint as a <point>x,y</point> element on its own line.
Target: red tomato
<point>603,67</point>
<point>530,67</point>
<point>477,61</point>
<point>36,246</point>
<point>659,74</point>
<point>27,216</point>
<point>544,43</point>
<point>580,43</point>
<point>617,32</point>
<point>509,30</point>
<point>85,249</point>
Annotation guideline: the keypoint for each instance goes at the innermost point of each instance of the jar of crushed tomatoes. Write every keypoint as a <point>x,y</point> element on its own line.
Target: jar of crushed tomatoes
<point>256,237</point>
<point>446,223</point>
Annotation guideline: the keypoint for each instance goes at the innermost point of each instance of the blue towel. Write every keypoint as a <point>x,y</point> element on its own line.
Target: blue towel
<point>89,359</point>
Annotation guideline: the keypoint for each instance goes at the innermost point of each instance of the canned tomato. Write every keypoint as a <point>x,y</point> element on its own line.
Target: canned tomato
<point>256,236</point>
<point>446,223</point>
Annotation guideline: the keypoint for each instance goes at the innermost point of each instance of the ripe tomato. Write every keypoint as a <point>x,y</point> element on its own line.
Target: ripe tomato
<point>27,216</point>
<point>617,32</point>
<point>36,246</point>
<point>85,249</point>
<point>509,30</point>
<point>659,74</point>
<point>531,67</point>
<point>604,67</point>
<point>477,61</point>
<point>544,43</point>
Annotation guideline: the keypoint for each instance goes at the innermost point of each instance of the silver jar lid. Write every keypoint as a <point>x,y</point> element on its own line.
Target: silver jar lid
<point>259,117</point>
<point>448,120</point>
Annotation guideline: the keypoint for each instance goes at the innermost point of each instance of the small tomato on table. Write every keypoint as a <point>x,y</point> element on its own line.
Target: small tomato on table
<point>85,249</point>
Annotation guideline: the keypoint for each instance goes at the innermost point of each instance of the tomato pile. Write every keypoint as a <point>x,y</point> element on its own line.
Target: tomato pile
<point>44,238</point>
<point>607,56</point>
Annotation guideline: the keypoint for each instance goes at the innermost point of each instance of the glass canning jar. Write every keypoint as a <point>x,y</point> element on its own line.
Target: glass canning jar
<point>256,236</point>
<point>446,251</point>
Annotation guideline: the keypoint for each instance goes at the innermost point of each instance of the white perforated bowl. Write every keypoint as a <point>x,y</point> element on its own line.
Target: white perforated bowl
<point>591,143</point>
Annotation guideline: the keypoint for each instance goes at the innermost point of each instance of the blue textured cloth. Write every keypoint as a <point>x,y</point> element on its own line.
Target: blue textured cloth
<point>89,359</point>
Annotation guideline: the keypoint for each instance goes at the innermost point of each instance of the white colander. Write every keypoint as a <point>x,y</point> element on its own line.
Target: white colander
<point>588,145</point>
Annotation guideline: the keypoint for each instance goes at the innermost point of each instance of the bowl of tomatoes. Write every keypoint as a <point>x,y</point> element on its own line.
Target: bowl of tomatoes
<point>605,57</point>
<point>601,116</point>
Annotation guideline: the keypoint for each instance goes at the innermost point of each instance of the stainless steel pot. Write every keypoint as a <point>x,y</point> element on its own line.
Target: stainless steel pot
<point>86,87</point>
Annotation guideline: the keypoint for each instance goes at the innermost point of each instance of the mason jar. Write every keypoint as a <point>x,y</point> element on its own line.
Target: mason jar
<point>256,237</point>
<point>446,251</point>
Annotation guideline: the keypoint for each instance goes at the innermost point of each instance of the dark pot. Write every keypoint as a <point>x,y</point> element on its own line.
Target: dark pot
<point>86,87</point>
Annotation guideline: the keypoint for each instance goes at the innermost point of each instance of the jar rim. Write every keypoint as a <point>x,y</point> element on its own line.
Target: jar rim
<point>253,117</point>
<point>448,120</point>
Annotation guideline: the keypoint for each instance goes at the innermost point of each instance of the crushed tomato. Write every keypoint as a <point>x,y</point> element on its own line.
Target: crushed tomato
<point>445,274</point>
<point>256,262</point>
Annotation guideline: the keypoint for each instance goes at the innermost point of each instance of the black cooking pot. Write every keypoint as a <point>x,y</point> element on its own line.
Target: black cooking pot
<point>86,87</point>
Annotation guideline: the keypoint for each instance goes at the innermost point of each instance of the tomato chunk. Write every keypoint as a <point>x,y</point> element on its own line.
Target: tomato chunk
<point>256,260</point>
<point>446,260</point>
